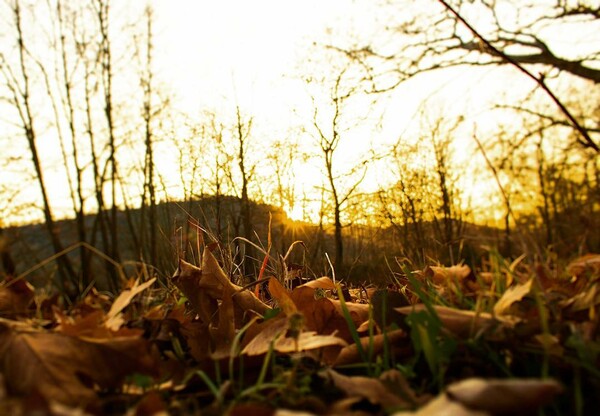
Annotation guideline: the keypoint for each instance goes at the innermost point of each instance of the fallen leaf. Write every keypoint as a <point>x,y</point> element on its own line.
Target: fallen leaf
<point>187,278</point>
<point>440,274</point>
<point>273,335</point>
<point>260,335</point>
<point>204,288</point>
<point>513,294</point>
<point>222,336</point>
<point>442,405</point>
<point>114,317</point>
<point>371,389</point>
<point>458,322</point>
<point>320,314</point>
<point>324,282</point>
<point>587,299</point>
<point>197,337</point>
<point>151,404</point>
<point>504,396</point>
<point>16,296</point>
<point>65,368</point>
<point>281,295</point>
<point>351,355</point>
<point>590,264</point>
<point>90,325</point>
<point>479,397</point>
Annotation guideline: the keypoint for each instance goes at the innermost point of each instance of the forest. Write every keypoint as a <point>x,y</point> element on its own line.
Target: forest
<point>408,222</point>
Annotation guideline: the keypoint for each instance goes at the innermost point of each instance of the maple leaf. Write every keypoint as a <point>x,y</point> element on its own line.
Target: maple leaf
<point>66,368</point>
<point>204,287</point>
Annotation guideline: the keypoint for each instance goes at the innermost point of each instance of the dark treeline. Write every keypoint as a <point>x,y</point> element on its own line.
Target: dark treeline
<point>374,252</point>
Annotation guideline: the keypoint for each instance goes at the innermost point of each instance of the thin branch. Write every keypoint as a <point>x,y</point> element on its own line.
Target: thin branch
<point>587,140</point>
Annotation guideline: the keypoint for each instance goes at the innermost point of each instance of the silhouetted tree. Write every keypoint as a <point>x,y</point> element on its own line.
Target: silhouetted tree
<point>441,34</point>
<point>18,76</point>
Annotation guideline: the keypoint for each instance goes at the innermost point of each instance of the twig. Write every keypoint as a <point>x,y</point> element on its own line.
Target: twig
<point>587,140</point>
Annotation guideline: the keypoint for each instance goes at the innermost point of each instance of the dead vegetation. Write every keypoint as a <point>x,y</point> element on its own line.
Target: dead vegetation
<point>511,339</point>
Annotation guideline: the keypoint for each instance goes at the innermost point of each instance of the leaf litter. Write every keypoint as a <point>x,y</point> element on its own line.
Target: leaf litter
<point>447,340</point>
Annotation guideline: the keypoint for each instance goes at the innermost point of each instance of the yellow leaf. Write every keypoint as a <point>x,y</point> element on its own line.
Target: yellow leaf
<point>114,318</point>
<point>513,294</point>
<point>283,298</point>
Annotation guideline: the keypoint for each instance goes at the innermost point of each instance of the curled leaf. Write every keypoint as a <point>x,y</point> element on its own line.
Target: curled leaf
<point>513,294</point>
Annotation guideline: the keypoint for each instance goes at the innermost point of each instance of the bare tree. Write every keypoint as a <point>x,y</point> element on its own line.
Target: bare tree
<point>442,34</point>
<point>404,203</point>
<point>441,133</point>
<point>102,10</point>
<point>328,136</point>
<point>19,83</point>
<point>241,137</point>
<point>149,115</point>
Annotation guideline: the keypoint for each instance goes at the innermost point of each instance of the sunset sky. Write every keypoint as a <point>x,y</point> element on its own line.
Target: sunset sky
<point>219,54</point>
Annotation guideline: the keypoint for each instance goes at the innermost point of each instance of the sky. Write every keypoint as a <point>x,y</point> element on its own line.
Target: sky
<point>215,53</point>
<point>218,54</point>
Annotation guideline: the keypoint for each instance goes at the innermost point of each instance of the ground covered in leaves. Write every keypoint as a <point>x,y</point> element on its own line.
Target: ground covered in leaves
<point>514,338</point>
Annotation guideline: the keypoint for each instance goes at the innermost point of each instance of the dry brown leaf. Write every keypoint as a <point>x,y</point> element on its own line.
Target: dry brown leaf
<point>197,337</point>
<point>320,315</point>
<point>275,333</point>
<point>459,322</point>
<point>587,299</point>
<point>371,389</point>
<point>90,325</point>
<point>187,278</point>
<point>590,263</point>
<point>223,335</point>
<point>324,315</point>
<point>281,295</point>
<point>513,294</point>
<point>260,335</point>
<point>204,288</point>
<point>443,406</point>
<point>16,296</point>
<point>505,396</point>
<point>307,341</point>
<point>351,355</point>
<point>321,283</point>
<point>64,368</point>
<point>114,317</point>
<point>359,312</point>
<point>480,397</point>
<point>440,274</point>
<point>213,275</point>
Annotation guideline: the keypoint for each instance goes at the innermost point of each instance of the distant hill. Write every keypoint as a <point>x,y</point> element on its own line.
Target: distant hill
<point>370,252</point>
